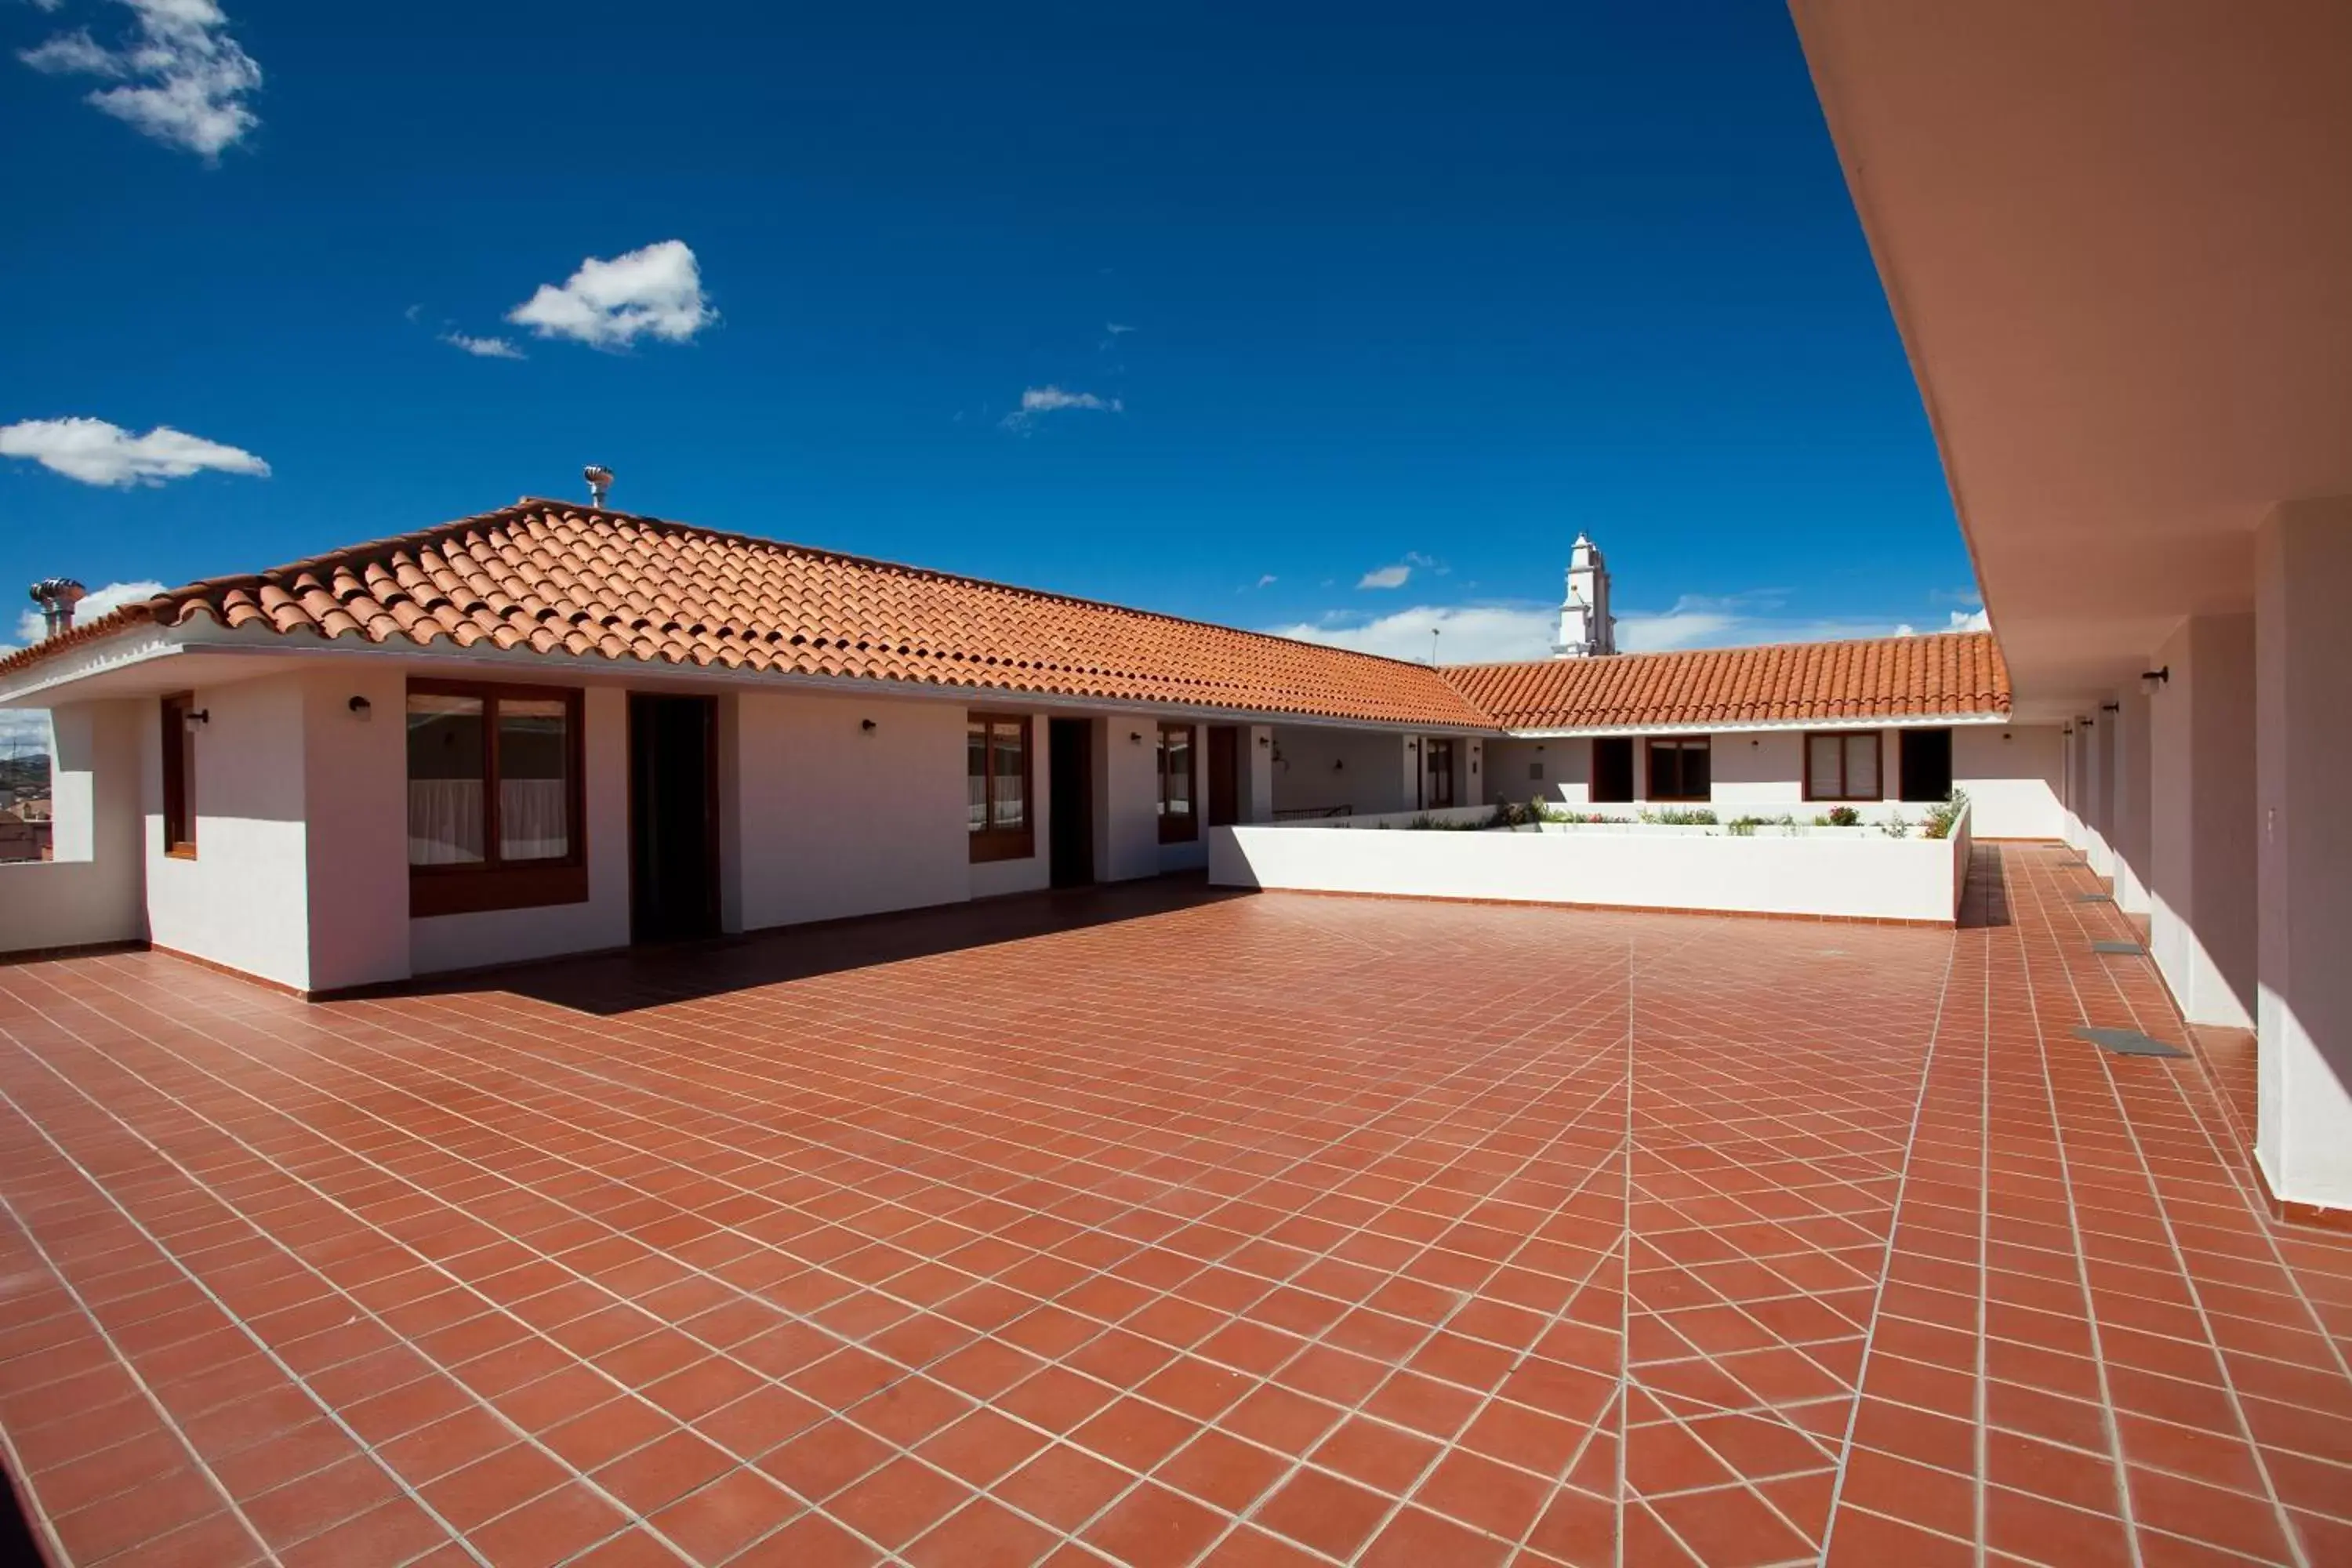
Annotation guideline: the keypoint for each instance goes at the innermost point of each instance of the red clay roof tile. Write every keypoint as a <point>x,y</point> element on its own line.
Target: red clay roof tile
<point>1942,675</point>
<point>545,575</point>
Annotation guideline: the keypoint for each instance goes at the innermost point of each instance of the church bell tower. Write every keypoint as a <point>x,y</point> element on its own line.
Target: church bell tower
<point>1586,626</point>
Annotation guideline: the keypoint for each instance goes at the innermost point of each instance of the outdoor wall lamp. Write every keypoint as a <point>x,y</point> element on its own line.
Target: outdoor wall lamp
<point>1135,737</point>
<point>1413,745</point>
<point>2111,706</point>
<point>2149,679</point>
<point>866,725</point>
<point>1265,739</point>
<point>197,719</point>
<point>362,708</point>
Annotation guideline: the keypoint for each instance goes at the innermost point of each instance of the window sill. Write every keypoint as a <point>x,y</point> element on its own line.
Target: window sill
<point>433,891</point>
<point>988,847</point>
<point>181,852</point>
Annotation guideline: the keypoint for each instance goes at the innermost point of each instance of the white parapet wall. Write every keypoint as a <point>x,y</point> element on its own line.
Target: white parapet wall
<point>1853,874</point>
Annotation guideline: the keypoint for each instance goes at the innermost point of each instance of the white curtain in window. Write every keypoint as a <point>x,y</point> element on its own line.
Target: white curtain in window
<point>445,822</point>
<point>531,819</point>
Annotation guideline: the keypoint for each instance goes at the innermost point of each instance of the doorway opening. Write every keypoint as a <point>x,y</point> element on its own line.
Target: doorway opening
<point>1927,763</point>
<point>1224,775</point>
<point>1070,779</point>
<point>673,817</point>
<point>1612,768</point>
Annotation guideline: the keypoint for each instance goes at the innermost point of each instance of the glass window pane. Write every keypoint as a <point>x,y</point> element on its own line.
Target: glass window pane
<point>534,779</point>
<point>975,772</point>
<point>1862,767</point>
<point>1828,772</point>
<point>1011,771</point>
<point>444,780</point>
<point>1696,760</point>
<point>1178,753</point>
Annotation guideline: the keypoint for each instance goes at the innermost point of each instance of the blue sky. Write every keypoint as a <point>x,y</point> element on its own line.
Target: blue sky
<point>1302,300</point>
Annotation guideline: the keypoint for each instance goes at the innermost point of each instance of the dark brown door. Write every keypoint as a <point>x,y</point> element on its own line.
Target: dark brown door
<point>1224,776</point>
<point>1070,777</point>
<point>1612,768</point>
<point>673,817</point>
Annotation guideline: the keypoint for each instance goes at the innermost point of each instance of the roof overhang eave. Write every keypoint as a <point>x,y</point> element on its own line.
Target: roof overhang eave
<point>48,680</point>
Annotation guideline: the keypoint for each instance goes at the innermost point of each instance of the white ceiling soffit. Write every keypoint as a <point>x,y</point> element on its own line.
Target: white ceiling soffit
<point>2117,239</point>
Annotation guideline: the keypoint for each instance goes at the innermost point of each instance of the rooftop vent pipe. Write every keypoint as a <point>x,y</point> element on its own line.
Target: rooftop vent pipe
<point>600,483</point>
<point>58,596</point>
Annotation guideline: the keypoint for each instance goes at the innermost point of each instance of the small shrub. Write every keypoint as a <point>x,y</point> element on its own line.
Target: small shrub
<point>1842,817</point>
<point>1744,826</point>
<point>1896,827</point>
<point>1945,815</point>
<point>1678,816</point>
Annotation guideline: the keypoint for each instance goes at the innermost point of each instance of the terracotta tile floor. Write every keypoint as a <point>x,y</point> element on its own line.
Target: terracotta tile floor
<point>1156,1227</point>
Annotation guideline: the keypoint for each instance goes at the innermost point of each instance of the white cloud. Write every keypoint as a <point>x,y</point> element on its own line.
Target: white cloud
<point>98,453</point>
<point>483,348</point>
<point>1969,621</point>
<point>23,730</point>
<point>1042,400</point>
<point>1505,630</point>
<point>179,77</point>
<point>1267,580</point>
<point>100,601</point>
<point>1398,573</point>
<point>1467,634</point>
<point>1116,328</point>
<point>653,292</point>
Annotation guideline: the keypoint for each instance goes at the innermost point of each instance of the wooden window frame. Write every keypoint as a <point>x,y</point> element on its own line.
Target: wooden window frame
<point>1679,744</point>
<point>991,843</point>
<point>1175,828</point>
<point>493,883</point>
<point>179,777</point>
<point>1845,770</point>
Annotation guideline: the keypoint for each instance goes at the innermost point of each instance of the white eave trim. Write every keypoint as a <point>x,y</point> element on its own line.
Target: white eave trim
<point>133,645</point>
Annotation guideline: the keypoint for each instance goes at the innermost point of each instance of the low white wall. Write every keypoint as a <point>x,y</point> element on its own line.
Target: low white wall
<point>1386,819</point>
<point>2015,779</point>
<point>93,891</point>
<point>1862,874</point>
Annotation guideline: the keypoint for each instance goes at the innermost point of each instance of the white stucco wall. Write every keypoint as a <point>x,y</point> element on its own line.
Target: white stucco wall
<point>2203,907</point>
<point>93,890</point>
<point>2303,748</point>
<point>244,901</point>
<point>356,802</point>
<point>837,821</point>
<point>510,936</point>
<point>1862,875</point>
<point>1316,769</point>
<point>2014,777</point>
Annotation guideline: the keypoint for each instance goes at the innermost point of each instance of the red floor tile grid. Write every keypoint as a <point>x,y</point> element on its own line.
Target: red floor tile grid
<point>1166,1228</point>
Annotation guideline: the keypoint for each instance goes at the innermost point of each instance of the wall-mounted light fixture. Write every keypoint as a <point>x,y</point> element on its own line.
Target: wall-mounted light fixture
<point>2150,679</point>
<point>362,708</point>
<point>1338,765</point>
<point>1265,741</point>
<point>197,719</point>
<point>2111,706</point>
<point>1413,745</point>
<point>2005,735</point>
<point>866,725</point>
<point>1135,737</point>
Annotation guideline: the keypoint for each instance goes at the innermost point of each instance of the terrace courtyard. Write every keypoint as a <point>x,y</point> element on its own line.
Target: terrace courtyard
<point>1158,1227</point>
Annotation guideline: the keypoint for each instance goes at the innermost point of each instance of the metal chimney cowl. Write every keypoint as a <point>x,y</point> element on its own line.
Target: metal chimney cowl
<point>58,596</point>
